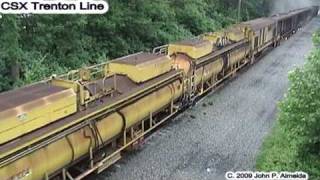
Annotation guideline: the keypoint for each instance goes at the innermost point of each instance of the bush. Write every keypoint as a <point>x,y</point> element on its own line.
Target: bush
<point>295,142</point>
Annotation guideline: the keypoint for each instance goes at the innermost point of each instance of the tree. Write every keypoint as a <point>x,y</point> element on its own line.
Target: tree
<point>35,46</point>
<point>10,51</point>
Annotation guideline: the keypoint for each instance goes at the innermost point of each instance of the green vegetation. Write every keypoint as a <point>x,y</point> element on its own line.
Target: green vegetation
<point>33,47</point>
<point>295,143</point>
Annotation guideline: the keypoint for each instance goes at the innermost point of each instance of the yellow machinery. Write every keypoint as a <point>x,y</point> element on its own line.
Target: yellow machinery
<point>228,36</point>
<point>132,102</point>
<point>140,67</point>
<point>194,48</point>
<point>30,108</point>
<point>119,96</point>
<point>46,161</point>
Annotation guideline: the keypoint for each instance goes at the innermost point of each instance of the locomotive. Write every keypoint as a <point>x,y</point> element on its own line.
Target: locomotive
<point>79,123</point>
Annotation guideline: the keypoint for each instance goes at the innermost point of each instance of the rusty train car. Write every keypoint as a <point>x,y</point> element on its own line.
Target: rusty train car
<point>79,123</point>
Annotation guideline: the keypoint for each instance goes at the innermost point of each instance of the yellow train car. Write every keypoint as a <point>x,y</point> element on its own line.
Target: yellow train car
<point>132,102</point>
<point>43,162</point>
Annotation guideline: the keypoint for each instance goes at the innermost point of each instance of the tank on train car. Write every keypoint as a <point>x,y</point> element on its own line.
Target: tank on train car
<point>187,52</point>
<point>29,108</point>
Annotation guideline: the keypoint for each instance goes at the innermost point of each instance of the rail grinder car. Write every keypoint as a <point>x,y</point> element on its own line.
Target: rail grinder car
<point>79,123</point>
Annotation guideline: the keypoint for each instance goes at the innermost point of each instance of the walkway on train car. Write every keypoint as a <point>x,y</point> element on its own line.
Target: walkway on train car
<point>224,131</point>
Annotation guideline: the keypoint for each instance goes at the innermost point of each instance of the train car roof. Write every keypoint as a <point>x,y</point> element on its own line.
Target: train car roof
<point>192,42</point>
<point>140,58</point>
<point>27,94</point>
<point>257,24</point>
<point>290,14</point>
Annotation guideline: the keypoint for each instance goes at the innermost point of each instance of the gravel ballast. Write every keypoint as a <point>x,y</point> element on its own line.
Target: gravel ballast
<point>225,130</point>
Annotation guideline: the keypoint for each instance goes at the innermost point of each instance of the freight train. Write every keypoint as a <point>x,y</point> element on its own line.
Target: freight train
<point>79,123</point>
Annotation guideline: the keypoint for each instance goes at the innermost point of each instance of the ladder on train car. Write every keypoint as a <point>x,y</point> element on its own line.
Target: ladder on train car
<point>193,86</point>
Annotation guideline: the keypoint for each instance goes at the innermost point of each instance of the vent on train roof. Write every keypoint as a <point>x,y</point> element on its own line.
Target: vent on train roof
<point>140,67</point>
<point>194,48</point>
